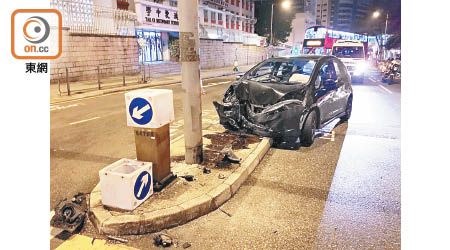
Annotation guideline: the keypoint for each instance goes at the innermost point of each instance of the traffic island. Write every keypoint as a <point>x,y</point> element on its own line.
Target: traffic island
<point>197,190</point>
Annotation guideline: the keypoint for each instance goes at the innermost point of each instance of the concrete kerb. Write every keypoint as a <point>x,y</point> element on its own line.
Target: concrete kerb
<point>158,220</point>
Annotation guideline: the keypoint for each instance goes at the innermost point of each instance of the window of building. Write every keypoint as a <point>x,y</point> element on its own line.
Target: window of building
<point>205,15</point>
<point>213,17</point>
<point>173,3</point>
<point>158,1</point>
<point>219,17</point>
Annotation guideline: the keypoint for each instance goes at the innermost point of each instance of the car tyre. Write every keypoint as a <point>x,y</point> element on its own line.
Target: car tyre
<point>348,110</point>
<point>309,129</point>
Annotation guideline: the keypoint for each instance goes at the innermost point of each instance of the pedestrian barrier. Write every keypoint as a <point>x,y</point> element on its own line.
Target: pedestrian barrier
<point>105,77</point>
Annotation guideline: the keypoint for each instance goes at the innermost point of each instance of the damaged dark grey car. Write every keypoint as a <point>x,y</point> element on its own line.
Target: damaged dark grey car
<point>288,98</point>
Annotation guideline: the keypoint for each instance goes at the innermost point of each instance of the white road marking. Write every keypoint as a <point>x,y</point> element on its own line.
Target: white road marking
<point>90,119</point>
<point>57,107</point>
<point>53,230</point>
<point>372,80</point>
<point>329,136</point>
<point>387,90</point>
<point>214,84</point>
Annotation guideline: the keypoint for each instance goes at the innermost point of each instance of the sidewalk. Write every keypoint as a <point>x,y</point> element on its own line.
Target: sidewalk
<point>83,89</point>
<point>182,201</point>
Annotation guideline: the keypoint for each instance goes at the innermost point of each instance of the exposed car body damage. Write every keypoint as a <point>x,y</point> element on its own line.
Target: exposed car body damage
<point>278,108</point>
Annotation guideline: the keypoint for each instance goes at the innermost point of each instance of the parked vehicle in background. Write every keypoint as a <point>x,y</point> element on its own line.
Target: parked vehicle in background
<point>288,98</point>
<point>392,73</point>
<point>319,40</point>
<point>352,54</point>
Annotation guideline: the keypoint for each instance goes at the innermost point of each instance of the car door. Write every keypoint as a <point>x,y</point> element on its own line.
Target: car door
<point>342,91</point>
<point>325,91</point>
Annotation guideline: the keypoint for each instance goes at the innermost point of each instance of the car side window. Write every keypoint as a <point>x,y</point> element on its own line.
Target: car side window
<point>342,70</point>
<point>326,73</point>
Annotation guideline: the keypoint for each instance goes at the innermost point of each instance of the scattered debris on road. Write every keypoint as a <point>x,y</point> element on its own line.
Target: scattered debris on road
<point>221,176</point>
<point>229,155</point>
<point>117,239</point>
<point>70,215</point>
<point>225,212</point>
<point>186,245</point>
<point>206,170</point>
<point>163,239</point>
<point>187,177</point>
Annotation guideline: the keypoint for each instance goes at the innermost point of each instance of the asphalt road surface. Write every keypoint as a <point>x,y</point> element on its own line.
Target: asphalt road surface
<point>343,192</point>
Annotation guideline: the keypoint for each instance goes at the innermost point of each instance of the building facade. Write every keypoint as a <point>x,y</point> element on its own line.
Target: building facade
<point>103,35</point>
<point>325,12</point>
<point>348,13</point>
<point>304,6</point>
<point>226,20</point>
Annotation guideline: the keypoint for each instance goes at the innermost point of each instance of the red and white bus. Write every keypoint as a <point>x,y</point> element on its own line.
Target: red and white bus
<point>319,39</point>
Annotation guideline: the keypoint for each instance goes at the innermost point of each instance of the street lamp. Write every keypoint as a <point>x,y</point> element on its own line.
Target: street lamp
<point>376,14</point>
<point>286,5</point>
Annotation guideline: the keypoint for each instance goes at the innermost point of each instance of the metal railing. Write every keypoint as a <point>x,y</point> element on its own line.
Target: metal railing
<point>106,77</point>
<point>81,16</point>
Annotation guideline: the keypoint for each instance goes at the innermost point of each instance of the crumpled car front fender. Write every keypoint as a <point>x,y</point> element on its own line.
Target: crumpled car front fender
<point>279,120</point>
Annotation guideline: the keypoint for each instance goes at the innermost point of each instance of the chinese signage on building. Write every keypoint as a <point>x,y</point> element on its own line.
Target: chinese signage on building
<point>219,3</point>
<point>160,17</point>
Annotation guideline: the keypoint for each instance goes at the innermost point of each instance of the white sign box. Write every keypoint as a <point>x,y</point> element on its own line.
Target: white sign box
<point>149,108</point>
<point>126,183</point>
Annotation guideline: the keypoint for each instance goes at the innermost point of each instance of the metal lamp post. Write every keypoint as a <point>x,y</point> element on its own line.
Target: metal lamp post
<point>285,4</point>
<point>376,14</point>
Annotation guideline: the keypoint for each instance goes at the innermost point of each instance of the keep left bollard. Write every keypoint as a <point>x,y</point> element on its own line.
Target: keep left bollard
<point>149,112</point>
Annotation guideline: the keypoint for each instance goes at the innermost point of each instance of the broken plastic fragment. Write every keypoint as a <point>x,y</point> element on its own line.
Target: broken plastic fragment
<point>229,156</point>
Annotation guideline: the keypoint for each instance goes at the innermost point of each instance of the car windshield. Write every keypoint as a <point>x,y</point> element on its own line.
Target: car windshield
<point>289,71</point>
<point>348,52</point>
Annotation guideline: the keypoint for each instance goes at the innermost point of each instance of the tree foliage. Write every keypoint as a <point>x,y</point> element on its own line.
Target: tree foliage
<point>282,20</point>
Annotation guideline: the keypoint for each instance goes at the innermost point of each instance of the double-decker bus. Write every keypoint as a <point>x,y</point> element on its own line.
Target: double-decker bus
<point>319,39</point>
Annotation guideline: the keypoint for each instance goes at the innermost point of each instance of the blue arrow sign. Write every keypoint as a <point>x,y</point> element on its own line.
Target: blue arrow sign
<point>142,185</point>
<point>140,111</point>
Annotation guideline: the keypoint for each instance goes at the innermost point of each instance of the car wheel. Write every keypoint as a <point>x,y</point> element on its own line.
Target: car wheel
<point>348,110</point>
<point>309,129</point>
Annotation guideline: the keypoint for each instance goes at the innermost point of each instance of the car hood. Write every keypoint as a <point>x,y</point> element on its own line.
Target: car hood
<point>266,93</point>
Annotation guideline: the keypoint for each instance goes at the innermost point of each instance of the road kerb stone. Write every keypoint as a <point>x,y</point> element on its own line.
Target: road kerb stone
<point>236,179</point>
<point>197,207</point>
<point>98,216</point>
<point>263,147</point>
<point>96,189</point>
<point>123,224</point>
<point>251,162</point>
<point>163,218</point>
<point>220,195</point>
<point>95,199</point>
